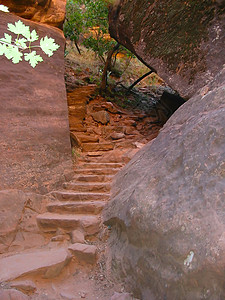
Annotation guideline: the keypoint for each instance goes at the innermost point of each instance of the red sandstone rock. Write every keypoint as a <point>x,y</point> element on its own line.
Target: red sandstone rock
<point>117,135</point>
<point>101,117</point>
<point>18,228</point>
<point>11,294</point>
<point>83,252</point>
<point>51,12</point>
<point>26,286</point>
<point>34,135</point>
<point>47,262</point>
<point>77,236</point>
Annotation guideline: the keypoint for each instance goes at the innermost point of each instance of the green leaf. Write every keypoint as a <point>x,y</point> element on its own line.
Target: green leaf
<point>7,39</point>
<point>48,45</point>
<point>13,53</point>
<point>33,36</point>
<point>19,28</point>
<point>2,49</point>
<point>4,8</point>
<point>21,43</point>
<point>33,58</point>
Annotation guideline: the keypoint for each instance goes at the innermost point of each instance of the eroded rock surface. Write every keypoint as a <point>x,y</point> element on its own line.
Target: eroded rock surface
<point>167,211</point>
<point>182,40</point>
<point>34,131</point>
<point>18,226</point>
<point>51,12</point>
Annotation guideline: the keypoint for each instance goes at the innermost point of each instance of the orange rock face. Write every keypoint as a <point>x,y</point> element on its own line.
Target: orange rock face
<point>50,12</point>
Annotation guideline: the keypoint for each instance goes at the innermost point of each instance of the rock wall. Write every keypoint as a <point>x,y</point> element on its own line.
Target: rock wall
<point>18,226</point>
<point>167,210</point>
<point>182,40</point>
<point>34,132</point>
<point>50,12</point>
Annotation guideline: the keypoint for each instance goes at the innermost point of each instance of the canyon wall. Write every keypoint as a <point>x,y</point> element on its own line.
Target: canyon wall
<point>34,131</point>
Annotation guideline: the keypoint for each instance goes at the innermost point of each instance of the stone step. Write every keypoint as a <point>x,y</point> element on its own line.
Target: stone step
<point>83,252</point>
<point>88,187</point>
<point>48,262</point>
<point>92,165</point>
<point>76,196</point>
<point>50,222</point>
<point>77,128</point>
<point>79,207</point>
<point>88,138</point>
<point>89,147</point>
<point>94,178</point>
<point>105,171</point>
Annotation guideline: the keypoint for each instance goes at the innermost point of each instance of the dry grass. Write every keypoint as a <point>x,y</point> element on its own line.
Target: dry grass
<point>126,70</point>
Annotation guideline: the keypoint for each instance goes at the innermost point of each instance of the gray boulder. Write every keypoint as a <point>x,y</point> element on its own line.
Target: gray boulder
<point>182,40</point>
<point>167,211</point>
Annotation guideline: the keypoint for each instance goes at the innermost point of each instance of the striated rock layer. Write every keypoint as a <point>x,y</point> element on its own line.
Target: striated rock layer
<point>167,212</point>
<point>50,12</point>
<point>182,40</point>
<point>34,130</point>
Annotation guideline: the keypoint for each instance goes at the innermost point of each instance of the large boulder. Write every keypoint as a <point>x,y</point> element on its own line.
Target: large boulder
<point>34,129</point>
<point>50,12</point>
<point>182,40</point>
<point>167,211</point>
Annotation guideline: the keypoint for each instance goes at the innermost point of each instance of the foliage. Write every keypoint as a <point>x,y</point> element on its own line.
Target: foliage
<point>89,20</point>
<point>4,8</point>
<point>13,48</point>
<point>74,24</point>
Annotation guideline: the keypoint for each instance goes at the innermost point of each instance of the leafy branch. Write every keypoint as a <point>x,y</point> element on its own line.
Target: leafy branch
<point>15,48</point>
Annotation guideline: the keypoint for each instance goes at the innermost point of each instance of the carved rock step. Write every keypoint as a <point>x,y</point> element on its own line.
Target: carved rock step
<point>83,252</point>
<point>49,263</point>
<point>89,147</point>
<point>88,187</point>
<point>94,178</point>
<point>88,138</point>
<point>50,222</point>
<point>75,196</point>
<point>105,171</point>
<point>102,165</point>
<point>94,207</point>
<point>79,127</point>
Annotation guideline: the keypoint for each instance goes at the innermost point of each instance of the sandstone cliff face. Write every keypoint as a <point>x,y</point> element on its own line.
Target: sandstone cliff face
<point>167,211</point>
<point>167,208</point>
<point>34,132</point>
<point>182,40</point>
<point>50,12</point>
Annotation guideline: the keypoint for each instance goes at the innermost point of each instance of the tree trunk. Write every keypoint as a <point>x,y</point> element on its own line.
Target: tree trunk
<point>139,79</point>
<point>78,49</point>
<point>107,64</point>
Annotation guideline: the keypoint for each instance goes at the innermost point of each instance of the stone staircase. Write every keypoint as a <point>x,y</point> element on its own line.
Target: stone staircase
<point>72,221</point>
<point>79,204</point>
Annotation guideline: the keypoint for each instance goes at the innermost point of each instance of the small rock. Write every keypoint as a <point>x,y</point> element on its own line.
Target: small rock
<point>101,117</point>
<point>26,286</point>
<point>139,145</point>
<point>117,135</point>
<point>130,130</point>
<point>77,236</point>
